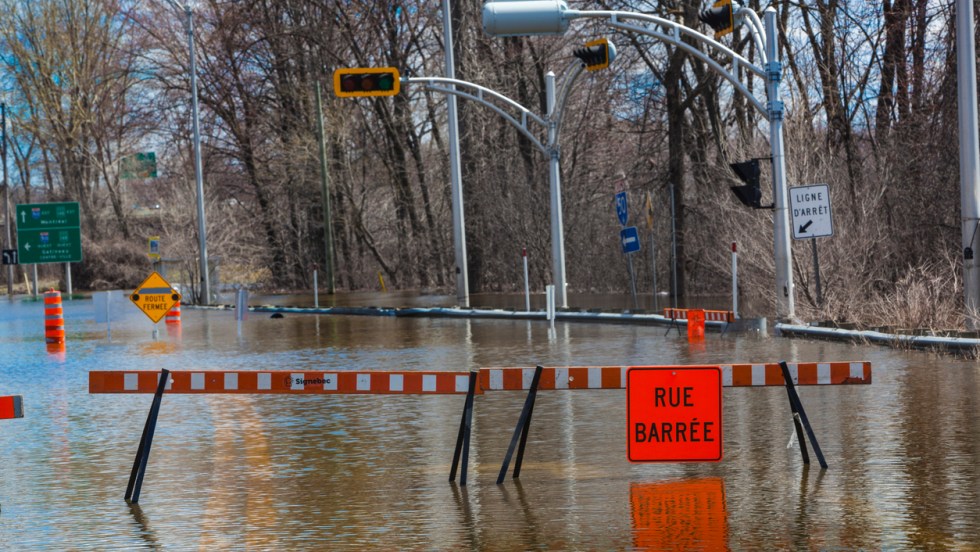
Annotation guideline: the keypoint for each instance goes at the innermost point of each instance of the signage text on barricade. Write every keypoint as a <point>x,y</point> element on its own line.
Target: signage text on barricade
<point>673,414</point>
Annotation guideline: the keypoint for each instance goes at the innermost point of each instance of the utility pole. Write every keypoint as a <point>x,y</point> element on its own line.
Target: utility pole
<point>459,230</point>
<point>966,78</point>
<point>198,176</point>
<point>198,170</point>
<point>325,190</point>
<point>6,195</point>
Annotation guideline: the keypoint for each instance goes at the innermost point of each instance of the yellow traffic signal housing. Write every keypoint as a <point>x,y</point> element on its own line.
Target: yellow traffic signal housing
<point>720,17</point>
<point>360,82</point>
<point>595,55</point>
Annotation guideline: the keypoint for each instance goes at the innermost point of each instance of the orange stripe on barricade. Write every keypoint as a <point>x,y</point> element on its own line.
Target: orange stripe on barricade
<point>284,382</point>
<point>11,407</point>
<point>732,375</point>
<point>713,315</point>
<point>570,377</point>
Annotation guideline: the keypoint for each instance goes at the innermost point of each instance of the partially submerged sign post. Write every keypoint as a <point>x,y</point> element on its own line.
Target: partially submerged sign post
<point>155,297</point>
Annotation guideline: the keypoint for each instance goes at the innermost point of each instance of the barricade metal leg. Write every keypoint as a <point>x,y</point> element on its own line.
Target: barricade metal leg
<point>143,452</point>
<point>673,325</point>
<point>799,415</point>
<point>521,431</point>
<point>463,437</point>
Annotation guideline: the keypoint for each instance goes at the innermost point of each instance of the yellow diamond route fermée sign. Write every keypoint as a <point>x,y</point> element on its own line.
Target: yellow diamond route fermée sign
<point>155,297</point>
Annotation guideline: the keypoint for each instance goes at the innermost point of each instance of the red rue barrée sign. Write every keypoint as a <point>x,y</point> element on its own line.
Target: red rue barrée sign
<point>673,414</point>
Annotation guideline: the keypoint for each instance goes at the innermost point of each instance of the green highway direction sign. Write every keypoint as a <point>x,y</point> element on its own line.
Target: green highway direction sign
<point>49,233</point>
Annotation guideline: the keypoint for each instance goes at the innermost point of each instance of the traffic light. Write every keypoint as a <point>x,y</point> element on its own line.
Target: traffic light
<point>597,54</point>
<point>750,194</point>
<point>720,17</point>
<point>362,82</point>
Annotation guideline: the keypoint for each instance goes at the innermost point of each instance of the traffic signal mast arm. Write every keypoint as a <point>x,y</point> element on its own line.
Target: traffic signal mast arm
<point>504,18</point>
<point>673,33</point>
<point>552,17</point>
<point>480,94</point>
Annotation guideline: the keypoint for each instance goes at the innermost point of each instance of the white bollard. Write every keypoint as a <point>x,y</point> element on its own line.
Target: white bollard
<point>527,285</point>
<point>316,291</point>
<point>241,304</point>
<point>550,308</point>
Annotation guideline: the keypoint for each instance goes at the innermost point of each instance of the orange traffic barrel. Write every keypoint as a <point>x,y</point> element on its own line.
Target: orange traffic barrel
<point>173,315</point>
<point>695,325</point>
<point>54,318</point>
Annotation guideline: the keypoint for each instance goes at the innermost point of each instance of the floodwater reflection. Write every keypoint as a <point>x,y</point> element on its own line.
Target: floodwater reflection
<point>680,515</point>
<point>351,472</point>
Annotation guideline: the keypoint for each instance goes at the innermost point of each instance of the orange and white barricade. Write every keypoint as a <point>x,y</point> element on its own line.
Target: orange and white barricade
<point>11,407</point>
<point>732,375</point>
<point>283,382</point>
<point>709,315</point>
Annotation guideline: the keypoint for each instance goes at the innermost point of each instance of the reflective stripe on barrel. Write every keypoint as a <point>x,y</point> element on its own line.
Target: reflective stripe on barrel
<point>173,315</point>
<point>54,320</point>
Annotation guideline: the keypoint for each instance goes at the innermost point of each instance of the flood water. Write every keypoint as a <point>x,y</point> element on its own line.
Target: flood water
<point>340,472</point>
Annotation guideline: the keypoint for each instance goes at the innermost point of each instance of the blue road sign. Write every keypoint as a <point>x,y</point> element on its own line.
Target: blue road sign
<point>630,239</point>
<point>622,208</point>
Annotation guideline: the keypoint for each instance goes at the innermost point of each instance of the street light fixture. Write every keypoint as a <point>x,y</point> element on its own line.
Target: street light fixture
<point>196,127</point>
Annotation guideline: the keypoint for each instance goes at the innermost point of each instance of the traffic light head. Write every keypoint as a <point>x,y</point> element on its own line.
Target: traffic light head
<point>750,194</point>
<point>720,17</point>
<point>362,82</point>
<point>597,54</point>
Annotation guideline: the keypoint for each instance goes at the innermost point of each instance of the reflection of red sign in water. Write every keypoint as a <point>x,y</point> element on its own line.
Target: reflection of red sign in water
<point>695,325</point>
<point>680,515</point>
<point>673,414</point>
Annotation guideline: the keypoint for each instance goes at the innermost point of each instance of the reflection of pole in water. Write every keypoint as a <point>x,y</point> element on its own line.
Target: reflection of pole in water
<point>673,247</point>
<point>146,533</point>
<point>241,308</point>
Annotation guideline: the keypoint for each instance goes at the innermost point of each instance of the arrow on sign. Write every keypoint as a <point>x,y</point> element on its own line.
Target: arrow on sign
<point>27,246</point>
<point>803,227</point>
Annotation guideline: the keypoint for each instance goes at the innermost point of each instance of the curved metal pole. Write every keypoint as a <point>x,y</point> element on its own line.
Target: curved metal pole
<point>677,31</point>
<point>482,91</point>
<point>507,117</point>
<point>717,67</point>
<point>755,27</point>
<point>569,76</point>
<point>552,121</point>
